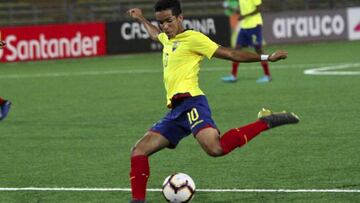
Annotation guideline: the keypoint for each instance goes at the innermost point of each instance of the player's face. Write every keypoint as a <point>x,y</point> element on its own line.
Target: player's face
<point>170,24</point>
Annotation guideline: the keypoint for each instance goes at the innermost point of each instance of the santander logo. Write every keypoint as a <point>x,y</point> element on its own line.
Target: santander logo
<point>43,47</point>
<point>53,42</point>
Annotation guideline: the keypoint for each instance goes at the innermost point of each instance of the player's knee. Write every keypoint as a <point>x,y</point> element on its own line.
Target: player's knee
<point>136,151</point>
<point>209,141</point>
<point>214,151</point>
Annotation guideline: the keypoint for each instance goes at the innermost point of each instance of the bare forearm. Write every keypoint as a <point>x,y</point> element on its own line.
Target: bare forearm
<point>236,55</point>
<point>247,57</point>
<point>152,29</point>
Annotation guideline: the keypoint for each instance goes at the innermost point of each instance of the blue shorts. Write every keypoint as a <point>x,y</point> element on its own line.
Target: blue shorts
<point>190,115</point>
<point>250,37</point>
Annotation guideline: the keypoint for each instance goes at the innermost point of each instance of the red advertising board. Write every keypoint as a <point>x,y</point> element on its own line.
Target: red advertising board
<point>59,41</point>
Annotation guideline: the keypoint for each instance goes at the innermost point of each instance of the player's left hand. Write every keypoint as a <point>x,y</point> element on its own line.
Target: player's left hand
<point>2,44</point>
<point>278,55</point>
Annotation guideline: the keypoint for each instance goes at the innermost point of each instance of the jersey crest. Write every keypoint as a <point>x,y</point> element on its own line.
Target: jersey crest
<point>175,46</point>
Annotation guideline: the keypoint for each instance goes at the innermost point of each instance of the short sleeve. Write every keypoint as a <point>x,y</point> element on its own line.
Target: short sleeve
<point>203,45</point>
<point>162,38</point>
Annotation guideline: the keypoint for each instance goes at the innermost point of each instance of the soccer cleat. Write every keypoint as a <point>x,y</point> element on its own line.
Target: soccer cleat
<point>230,78</point>
<point>4,109</point>
<point>274,119</point>
<point>264,79</point>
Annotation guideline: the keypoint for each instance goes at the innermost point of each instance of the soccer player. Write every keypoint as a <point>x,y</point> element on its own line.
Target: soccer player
<point>183,51</point>
<point>4,104</point>
<point>250,35</point>
<point>4,108</point>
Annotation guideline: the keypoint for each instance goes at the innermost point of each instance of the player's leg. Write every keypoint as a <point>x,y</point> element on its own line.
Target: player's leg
<point>257,44</point>
<point>234,71</point>
<point>215,146</point>
<point>238,137</point>
<point>199,122</point>
<point>150,143</point>
<point>4,108</point>
<point>165,133</point>
<point>265,65</point>
<point>209,140</point>
<point>240,43</point>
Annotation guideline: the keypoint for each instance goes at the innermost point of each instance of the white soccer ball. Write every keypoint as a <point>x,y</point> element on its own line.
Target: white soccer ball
<point>178,188</point>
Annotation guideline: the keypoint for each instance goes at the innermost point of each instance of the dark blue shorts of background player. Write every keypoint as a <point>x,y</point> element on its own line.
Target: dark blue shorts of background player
<point>250,37</point>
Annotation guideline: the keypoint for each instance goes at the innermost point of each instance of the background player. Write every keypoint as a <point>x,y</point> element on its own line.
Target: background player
<point>250,35</point>
<point>4,104</point>
<point>183,51</point>
<point>4,108</point>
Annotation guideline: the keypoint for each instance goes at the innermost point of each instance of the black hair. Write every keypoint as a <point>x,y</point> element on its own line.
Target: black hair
<point>173,5</point>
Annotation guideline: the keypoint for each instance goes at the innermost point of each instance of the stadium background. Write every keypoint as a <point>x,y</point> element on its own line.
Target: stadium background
<point>73,121</point>
<point>52,30</point>
<point>17,12</point>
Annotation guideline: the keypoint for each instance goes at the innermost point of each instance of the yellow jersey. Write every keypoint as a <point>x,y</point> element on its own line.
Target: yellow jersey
<point>246,7</point>
<point>181,62</point>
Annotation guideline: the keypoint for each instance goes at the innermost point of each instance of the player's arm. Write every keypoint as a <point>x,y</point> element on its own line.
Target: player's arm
<point>153,31</point>
<point>245,56</point>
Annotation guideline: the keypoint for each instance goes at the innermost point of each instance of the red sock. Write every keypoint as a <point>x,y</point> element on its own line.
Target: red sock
<point>235,66</point>
<point>238,137</point>
<point>2,101</point>
<point>139,175</point>
<point>265,66</point>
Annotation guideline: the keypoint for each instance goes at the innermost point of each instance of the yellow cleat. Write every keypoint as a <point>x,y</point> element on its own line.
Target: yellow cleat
<point>264,112</point>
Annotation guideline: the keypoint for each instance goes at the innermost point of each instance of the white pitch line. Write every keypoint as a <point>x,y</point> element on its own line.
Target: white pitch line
<point>144,71</point>
<point>330,70</point>
<point>198,190</point>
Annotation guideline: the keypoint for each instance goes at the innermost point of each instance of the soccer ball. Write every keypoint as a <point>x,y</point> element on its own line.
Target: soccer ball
<point>178,188</point>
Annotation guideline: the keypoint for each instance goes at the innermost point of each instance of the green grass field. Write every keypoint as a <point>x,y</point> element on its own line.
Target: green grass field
<point>73,122</point>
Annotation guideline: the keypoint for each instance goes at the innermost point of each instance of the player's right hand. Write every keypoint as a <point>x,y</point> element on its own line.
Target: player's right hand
<point>278,55</point>
<point>135,13</point>
<point>2,44</point>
